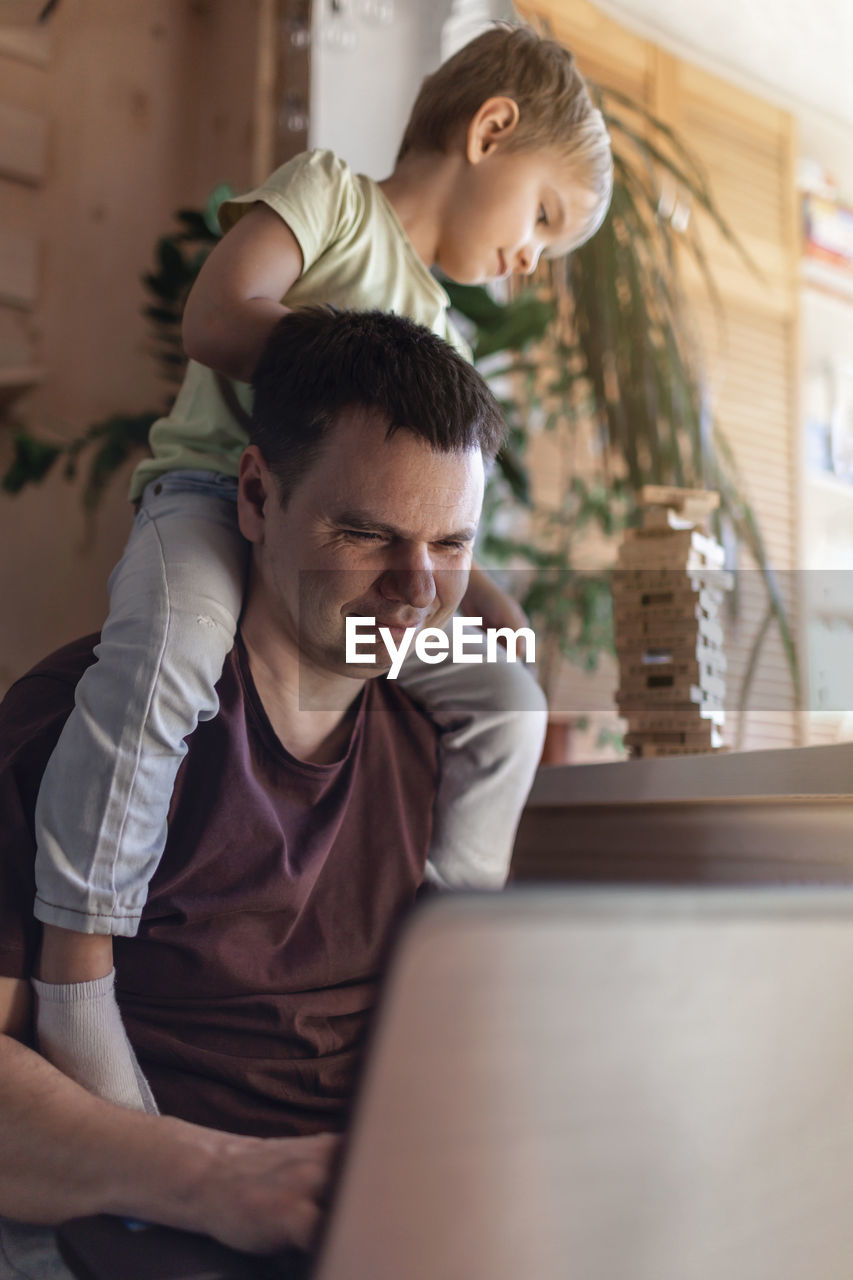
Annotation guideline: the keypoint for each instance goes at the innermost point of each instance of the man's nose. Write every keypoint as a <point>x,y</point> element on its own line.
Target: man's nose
<point>411,581</point>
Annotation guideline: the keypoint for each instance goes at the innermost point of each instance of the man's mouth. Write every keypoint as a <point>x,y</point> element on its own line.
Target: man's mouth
<point>398,628</point>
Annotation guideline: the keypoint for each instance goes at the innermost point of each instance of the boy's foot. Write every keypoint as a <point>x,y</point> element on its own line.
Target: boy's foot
<point>78,1024</point>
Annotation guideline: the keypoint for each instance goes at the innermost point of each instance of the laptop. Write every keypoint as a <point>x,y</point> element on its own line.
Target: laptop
<point>602,1084</point>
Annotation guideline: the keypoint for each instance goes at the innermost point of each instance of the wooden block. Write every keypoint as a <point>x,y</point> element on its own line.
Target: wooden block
<point>688,649</point>
<point>632,629</point>
<point>666,556</point>
<point>722,579</point>
<point>661,519</point>
<point>707,736</point>
<point>23,145</point>
<point>694,669</point>
<point>681,620</point>
<point>667,495</point>
<point>642,548</point>
<point>688,538</point>
<point>665,720</point>
<point>657,751</point>
<point>678,590</point>
<point>631,697</point>
<point>18,270</point>
<point>674,688</point>
<point>684,644</point>
<point>683,609</point>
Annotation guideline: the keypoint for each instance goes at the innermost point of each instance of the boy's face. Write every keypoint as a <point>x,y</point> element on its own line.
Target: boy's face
<point>508,208</point>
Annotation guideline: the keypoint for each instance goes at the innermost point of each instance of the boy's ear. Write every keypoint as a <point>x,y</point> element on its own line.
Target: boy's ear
<point>254,489</point>
<point>495,122</point>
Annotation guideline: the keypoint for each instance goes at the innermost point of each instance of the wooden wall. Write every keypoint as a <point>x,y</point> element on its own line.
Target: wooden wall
<point>142,106</point>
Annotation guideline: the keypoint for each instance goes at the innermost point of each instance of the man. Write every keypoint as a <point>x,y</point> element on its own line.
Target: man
<point>301,820</point>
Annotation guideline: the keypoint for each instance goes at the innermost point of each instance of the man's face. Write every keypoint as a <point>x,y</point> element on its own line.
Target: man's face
<point>379,528</point>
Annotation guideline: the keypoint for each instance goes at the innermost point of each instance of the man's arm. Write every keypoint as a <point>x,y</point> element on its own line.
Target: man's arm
<point>68,1154</point>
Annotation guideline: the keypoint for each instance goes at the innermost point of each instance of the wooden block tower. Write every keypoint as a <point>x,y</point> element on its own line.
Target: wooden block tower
<point>668,586</point>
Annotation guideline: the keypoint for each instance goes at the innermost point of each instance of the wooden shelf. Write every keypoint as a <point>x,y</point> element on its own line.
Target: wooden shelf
<point>15,380</point>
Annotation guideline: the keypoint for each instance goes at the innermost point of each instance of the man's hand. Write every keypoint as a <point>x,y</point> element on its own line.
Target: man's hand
<point>484,599</point>
<point>261,1194</point>
<point>68,1154</point>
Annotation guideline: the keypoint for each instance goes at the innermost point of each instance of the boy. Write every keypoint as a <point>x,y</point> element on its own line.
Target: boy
<point>504,157</point>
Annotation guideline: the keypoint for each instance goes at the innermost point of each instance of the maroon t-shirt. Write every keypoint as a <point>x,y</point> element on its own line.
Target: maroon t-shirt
<point>247,991</point>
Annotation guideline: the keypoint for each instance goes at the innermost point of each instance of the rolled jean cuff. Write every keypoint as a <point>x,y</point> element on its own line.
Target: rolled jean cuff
<point>125,926</point>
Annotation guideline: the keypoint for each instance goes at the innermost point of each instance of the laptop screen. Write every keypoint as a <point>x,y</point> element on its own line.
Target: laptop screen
<point>607,1084</point>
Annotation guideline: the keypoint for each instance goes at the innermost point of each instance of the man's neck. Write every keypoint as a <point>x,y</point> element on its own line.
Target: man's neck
<point>311,712</point>
<point>417,191</point>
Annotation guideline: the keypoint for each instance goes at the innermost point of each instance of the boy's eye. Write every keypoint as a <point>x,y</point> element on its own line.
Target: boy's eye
<point>543,215</point>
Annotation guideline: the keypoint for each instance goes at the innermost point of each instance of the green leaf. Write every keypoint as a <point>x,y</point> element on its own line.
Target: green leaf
<point>32,459</point>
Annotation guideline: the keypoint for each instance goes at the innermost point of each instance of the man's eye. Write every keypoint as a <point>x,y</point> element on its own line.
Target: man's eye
<point>363,535</point>
<point>453,545</point>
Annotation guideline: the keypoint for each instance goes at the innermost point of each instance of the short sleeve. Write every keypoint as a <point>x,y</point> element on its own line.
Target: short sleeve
<point>31,718</point>
<point>314,193</point>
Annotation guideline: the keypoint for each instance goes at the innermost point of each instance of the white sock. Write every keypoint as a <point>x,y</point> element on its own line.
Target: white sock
<point>79,1029</point>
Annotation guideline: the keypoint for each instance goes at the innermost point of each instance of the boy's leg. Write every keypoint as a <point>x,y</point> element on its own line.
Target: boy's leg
<point>103,804</point>
<point>492,719</point>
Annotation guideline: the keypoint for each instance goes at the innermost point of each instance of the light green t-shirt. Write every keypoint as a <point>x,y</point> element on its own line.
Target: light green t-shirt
<point>355,255</point>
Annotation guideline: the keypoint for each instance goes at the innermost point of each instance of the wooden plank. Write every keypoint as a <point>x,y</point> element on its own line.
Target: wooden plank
<point>265,102</point>
<point>26,44</point>
<point>18,270</point>
<point>21,12</point>
<point>23,144</point>
<point>16,380</point>
<point>605,50</point>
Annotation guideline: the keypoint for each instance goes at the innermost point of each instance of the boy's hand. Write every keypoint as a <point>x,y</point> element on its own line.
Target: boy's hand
<point>485,599</point>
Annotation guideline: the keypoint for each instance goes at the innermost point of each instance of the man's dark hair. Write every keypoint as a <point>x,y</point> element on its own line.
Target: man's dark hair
<point>319,362</point>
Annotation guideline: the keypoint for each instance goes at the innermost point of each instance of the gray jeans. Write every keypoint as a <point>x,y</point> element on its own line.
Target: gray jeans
<point>29,1253</point>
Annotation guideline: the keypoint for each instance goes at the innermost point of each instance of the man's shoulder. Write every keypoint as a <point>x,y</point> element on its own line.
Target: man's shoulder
<point>45,693</point>
<point>61,668</point>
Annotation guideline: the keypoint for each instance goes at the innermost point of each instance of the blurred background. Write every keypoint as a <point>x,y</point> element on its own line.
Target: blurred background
<point>114,117</point>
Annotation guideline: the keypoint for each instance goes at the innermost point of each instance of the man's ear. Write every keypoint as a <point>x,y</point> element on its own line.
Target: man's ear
<point>495,122</point>
<point>255,488</point>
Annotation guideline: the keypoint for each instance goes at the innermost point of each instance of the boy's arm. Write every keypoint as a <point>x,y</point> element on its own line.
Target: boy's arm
<point>486,600</point>
<point>236,299</point>
<point>68,1154</point>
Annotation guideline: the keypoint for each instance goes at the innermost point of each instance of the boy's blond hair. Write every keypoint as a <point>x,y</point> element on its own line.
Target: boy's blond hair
<point>556,112</point>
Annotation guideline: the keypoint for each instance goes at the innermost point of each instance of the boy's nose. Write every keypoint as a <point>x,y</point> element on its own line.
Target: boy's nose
<point>527,258</point>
